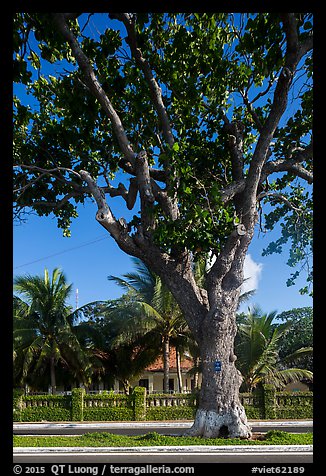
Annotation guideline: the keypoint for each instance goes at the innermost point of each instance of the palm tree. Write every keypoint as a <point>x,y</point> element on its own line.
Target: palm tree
<point>43,328</point>
<point>113,334</point>
<point>257,351</point>
<point>152,310</point>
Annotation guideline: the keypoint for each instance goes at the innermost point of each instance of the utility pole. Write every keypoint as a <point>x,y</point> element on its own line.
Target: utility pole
<point>76,298</point>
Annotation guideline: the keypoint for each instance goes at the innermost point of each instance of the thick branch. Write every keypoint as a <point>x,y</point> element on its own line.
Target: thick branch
<point>289,164</point>
<point>293,55</point>
<point>235,132</point>
<point>169,207</point>
<point>105,217</point>
<point>147,198</point>
<point>94,85</point>
<point>155,90</point>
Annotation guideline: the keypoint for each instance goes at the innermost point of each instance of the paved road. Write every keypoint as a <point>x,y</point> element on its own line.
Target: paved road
<point>138,428</point>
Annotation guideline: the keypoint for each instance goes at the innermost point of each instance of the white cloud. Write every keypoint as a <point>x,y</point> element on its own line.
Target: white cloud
<point>252,273</point>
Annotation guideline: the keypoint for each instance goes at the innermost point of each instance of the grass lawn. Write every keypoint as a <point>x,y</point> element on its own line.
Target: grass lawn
<point>274,437</point>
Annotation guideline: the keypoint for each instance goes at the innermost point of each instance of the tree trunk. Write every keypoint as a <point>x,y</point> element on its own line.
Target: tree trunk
<point>126,386</point>
<point>166,363</point>
<point>178,362</point>
<point>52,374</point>
<point>220,413</point>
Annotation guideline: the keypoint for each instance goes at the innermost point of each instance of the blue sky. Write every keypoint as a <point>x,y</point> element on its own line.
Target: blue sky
<point>90,255</point>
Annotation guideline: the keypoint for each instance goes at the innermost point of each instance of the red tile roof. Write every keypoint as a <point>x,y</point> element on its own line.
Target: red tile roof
<point>157,366</point>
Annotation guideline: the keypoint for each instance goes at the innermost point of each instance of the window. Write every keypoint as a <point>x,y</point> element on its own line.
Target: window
<point>144,382</point>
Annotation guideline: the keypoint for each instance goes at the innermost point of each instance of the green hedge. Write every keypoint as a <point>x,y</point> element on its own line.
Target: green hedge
<point>170,413</point>
<point>109,406</point>
<point>299,404</point>
<point>108,414</point>
<point>139,403</point>
<point>264,404</point>
<point>46,414</point>
<point>58,408</point>
<point>17,404</point>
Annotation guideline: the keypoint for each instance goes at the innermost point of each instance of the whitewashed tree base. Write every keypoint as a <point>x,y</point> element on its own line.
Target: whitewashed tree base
<point>211,424</point>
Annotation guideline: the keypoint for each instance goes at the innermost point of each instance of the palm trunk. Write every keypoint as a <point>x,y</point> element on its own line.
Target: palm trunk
<point>196,374</point>
<point>178,362</point>
<point>52,375</point>
<point>166,363</point>
<point>126,386</point>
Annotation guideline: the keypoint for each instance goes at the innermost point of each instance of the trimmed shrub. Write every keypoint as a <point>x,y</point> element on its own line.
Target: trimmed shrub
<point>77,404</point>
<point>17,404</point>
<point>46,408</point>
<point>170,413</point>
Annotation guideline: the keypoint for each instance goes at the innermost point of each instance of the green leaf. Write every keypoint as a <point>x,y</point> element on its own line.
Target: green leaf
<point>176,147</point>
<point>35,60</point>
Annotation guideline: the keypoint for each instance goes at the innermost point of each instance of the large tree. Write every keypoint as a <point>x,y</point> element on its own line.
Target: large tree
<point>209,116</point>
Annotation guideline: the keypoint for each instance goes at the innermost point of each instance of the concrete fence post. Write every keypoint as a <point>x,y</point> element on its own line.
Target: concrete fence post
<point>269,401</point>
<point>139,401</point>
<point>17,404</point>
<point>77,404</point>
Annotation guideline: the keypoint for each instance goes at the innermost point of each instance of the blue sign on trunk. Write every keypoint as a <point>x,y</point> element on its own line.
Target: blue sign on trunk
<point>217,365</point>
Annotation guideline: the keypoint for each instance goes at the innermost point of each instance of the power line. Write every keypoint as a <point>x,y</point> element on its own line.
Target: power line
<point>64,251</point>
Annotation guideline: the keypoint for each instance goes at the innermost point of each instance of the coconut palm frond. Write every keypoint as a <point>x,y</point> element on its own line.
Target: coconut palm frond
<point>298,354</point>
<point>43,325</point>
<point>258,351</point>
<point>280,378</point>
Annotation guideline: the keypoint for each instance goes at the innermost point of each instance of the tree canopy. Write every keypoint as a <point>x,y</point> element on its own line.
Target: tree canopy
<point>191,103</point>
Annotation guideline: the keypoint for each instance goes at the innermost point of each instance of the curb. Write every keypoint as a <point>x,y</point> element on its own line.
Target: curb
<point>202,449</point>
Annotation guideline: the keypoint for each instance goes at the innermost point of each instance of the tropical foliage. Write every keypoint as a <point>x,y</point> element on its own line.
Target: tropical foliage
<point>117,339</point>
<point>257,348</point>
<point>45,342</point>
<point>153,312</point>
<point>300,334</point>
<point>210,116</point>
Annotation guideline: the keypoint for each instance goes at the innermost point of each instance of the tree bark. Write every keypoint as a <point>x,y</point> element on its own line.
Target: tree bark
<point>126,386</point>
<point>220,413</point>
